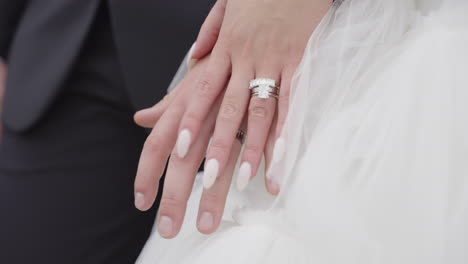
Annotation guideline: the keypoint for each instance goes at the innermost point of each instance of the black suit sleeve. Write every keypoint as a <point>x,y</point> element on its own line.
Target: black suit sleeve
<point>10,15</point>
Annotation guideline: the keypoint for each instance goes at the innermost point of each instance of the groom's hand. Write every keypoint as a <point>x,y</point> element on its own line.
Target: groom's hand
<point>253,41</point>
<point>164,118</point>
<point>180,174</point>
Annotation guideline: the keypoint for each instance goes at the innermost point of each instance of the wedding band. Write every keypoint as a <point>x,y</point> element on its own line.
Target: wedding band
<point>264,88</point>
<point>240,136</point>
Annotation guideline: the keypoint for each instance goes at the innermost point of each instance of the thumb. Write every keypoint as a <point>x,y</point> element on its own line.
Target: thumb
<point>148,117</point>
<point>272,187</point>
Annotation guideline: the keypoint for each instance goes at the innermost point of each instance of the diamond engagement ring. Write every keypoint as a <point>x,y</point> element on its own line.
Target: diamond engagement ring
<point>264,88</point>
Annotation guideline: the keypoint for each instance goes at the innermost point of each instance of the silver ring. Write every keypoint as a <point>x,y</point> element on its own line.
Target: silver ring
<point>264,88</point>
<point>241,136</point>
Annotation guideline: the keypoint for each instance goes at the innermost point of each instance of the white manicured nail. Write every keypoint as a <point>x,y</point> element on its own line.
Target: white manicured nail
<point>191,61</point>
<point>243,177</point>
<point>211,173</point>
<point>275,186</point>
<point>278,152</point>
<point>183,143</point>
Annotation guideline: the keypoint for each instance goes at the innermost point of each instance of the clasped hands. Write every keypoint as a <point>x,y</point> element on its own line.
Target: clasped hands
<point>241,40</point>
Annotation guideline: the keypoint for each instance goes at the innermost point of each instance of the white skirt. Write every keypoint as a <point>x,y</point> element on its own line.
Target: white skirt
<point>376,164</point>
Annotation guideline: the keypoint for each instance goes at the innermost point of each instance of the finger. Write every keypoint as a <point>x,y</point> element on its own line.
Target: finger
<point>207,89</point>
<point>229,119</point>
<point>261,113</point>
<point>273,186</point>
<point>149,117</point>
<point>213,200</point>
<point>154,156</point>
<point>283,109</point>
<point>209,31</point>
<point>179,182</point>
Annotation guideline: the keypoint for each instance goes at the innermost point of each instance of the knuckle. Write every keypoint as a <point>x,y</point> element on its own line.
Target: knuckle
<point>170,200</point>
<point>259,111</point>
<point>219,149</point>
<point>204,88</point>
<point>253,149</point>
<point>218,145</point>
<point>153,145</point>
<point>211,198</point>
<point>194,118</point>
<point>230,110</point>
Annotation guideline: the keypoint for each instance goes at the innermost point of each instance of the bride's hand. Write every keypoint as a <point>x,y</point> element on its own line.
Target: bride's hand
<point>180,175</point>
<point>257,39</point>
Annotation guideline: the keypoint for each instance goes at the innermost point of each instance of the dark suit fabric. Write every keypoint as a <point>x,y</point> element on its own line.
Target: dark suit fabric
<point>152,37</point>
<point>69,149</point>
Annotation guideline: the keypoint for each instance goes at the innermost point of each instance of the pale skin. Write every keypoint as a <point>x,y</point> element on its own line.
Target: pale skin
<point>246,39</point>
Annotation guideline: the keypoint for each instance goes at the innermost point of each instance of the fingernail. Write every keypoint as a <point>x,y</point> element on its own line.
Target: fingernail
<point>192,49</point>
<point>192,63</point>
<point>278,152</point>
<point>139,201</point>
<point>211,173</point>
<point>206,221</point>
<point>275,186</point>
<point>183,143</point>
<point>243,177</point>
<point>165,226</point>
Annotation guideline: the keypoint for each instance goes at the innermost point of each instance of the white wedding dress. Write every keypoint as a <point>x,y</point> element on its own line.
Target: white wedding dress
<point>376,166</point>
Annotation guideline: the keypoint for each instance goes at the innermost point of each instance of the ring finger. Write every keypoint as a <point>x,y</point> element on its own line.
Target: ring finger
<point>261,112</point>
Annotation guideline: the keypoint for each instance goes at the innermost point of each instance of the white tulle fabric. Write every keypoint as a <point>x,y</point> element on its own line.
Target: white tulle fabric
<point>376,168</point>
